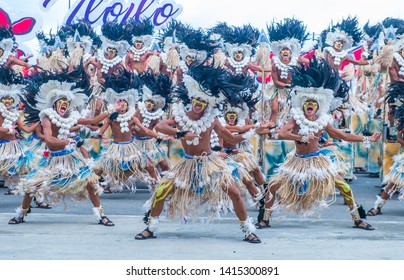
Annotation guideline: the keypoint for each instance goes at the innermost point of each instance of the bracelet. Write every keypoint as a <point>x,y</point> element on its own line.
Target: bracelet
<point>180,134</point>
<point>304,139</point>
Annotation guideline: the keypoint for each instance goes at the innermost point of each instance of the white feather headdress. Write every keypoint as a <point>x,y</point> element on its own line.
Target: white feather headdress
<point>323,97</point>
<point>339,35</point>
<point>6,45</point>
<point>13,91</point>
<point>121,46</point>
<point>399,44</point>
<point>291,44</point>
<point>145,39</point>
<point>195,91</point>
<point>53,90</point>
<point>234,48</point>
<point>158,100</point>
<point>131,96</point>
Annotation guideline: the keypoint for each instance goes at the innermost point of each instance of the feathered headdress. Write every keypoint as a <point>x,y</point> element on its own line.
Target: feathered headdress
<point>243,39</point>
<point>347,31</point>
<point>289,33</point>
<point>141,30</point>
<point>195,44</point>
<point>395,94</point>
<point>122,87</point>
<point>207,83</point>
<point>240,102</point>
<point>372,31</point>
<point>11,84</point>
<point>81,32</point>
<point>318,81</point>
<point>114,35</point>
<point>399,43</point>
<point>6,42</point>
<point>44,88</point>
<point>157,88</point>
<point>392,27</point>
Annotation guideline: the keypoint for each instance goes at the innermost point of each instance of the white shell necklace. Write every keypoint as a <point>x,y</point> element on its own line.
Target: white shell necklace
<point>64,124</point>
<point>400,62</point>
<point>307,127</point>
<point>196,127</point>
<point>338,56</point>
<point>148,117</point>
<point>124,119</point>
<point>238,65</point>
<point>4,57</point>
<point>285,68</point>
<point>138,53</point>
<point>108,63</point>
<point>10,116</point>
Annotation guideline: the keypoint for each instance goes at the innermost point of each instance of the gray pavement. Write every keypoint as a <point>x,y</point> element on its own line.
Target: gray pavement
<point>69,232</point>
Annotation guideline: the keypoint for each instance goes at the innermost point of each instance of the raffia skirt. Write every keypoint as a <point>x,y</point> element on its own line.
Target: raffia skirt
<point>396,176</point>
<point>14,159</point>
<point>122,164</point>
<point>306,183</point>
<point>62,175</point>
<point>150,149</point>
<point>247,160</point>
<point>200,185</point>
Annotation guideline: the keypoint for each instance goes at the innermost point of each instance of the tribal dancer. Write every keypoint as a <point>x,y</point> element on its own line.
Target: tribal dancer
<point>141,43</point>
<point>6,49</point>
<point>107,61</point>
<point>155,99</point>
<point>201,180</point>
<point>122,162</point>
<point>394,181</point>
<point>62,173</point>
<point>236,117</point>
<point>81,41</point>
<point>286,38</point>
<point>307,177</point>
<point>14,159</point>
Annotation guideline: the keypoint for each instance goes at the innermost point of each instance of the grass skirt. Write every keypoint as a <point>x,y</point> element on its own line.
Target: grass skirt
<point>149,148</point>
<point>200,186</point>
<point>122,164</point>
<point>247,160</point>
<point>64,174</point>
<point>14,159</point>
<point>337,157</point>
<point>396,176</point>
<point>305,183</point>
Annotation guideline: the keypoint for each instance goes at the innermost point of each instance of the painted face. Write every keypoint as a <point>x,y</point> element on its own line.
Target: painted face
<point>149,105</point>
<point>231,118</point>
<point>238,56</point>
<point>189,59</point>
<point>285,54</point>
<point>310,107</point>
<point>198,105</point>
<point>338,45</point>
<point>124,106</point>
<point>62,105</point>
<point>8,102</point>
<point>1,52</point>
<point>111,53</point>
<point>138,45</point>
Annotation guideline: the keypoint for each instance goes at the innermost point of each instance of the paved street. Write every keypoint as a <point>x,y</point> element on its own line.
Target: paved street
<point>70,232</point>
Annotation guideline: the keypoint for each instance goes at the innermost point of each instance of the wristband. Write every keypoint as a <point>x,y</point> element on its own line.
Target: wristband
<point>180,134</point>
